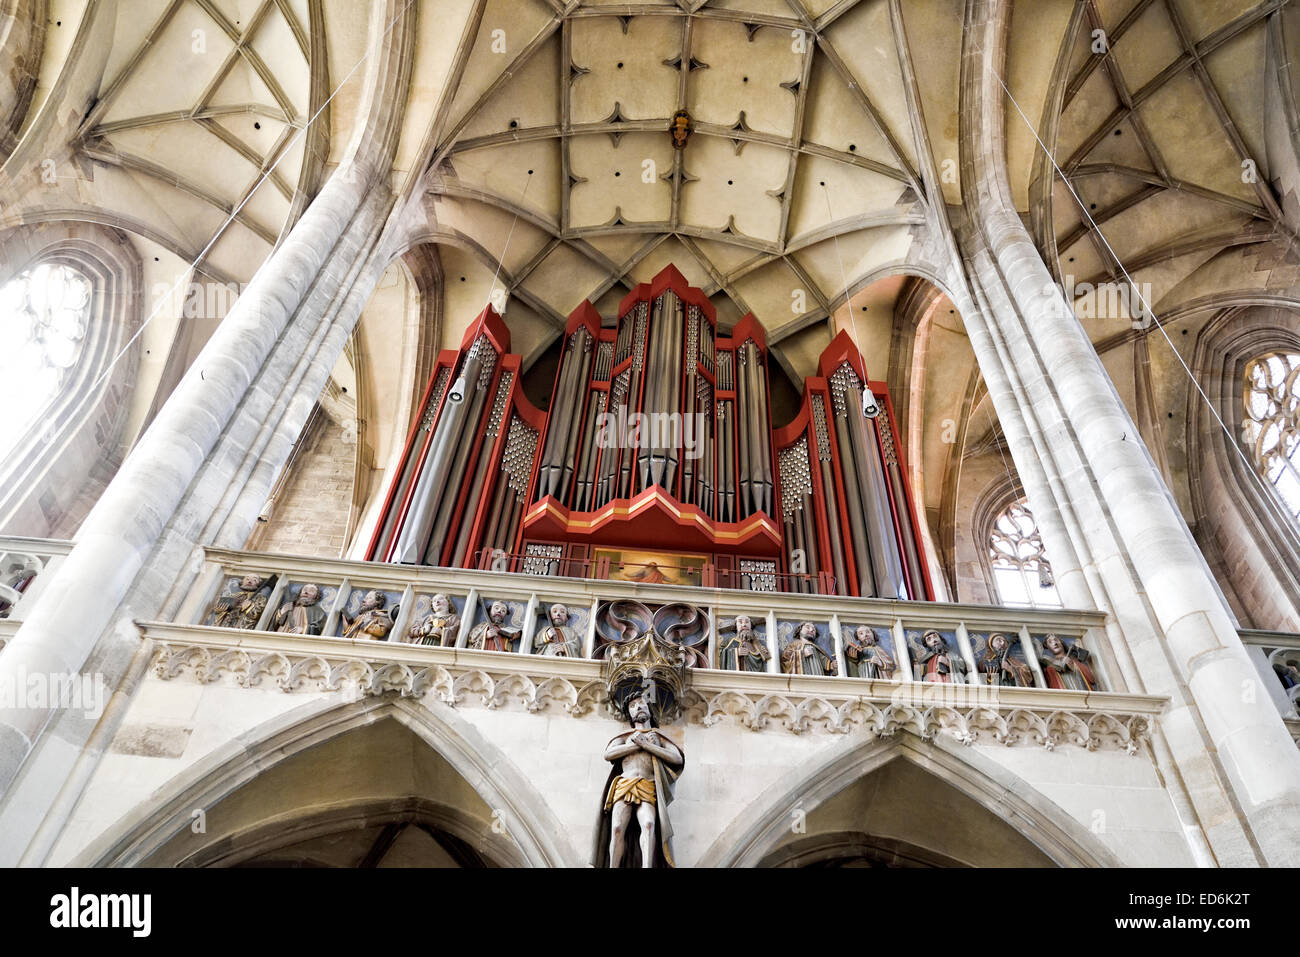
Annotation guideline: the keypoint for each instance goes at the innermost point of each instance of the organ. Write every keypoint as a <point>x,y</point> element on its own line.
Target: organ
<point>656,461</point>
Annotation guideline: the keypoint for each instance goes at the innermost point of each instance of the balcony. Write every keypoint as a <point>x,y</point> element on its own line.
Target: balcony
<point>25,565</point>
<point>973,705</point>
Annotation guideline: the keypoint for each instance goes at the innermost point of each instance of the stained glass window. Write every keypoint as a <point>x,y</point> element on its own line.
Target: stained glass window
<point>1021,572</point>
<point>1271,428</point>
<point>43,315</point>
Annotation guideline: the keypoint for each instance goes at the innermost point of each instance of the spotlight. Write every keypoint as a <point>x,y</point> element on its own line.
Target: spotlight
<point>869,407</point>
<point>457,393</point>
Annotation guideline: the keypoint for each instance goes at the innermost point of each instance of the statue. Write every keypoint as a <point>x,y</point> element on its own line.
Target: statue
<point>646,765</point>
<point>440,627</point>
<point>373,619</point>
<point>558,639</point>
<point>744,650</point>
<point>998,666</point>
<point>1066,669</point>
<point>935,662</point>
<point>803,656</point>
<point>243,608</point>
<point>491,635</point>
<point>864,655</point>
<point>303,615</point>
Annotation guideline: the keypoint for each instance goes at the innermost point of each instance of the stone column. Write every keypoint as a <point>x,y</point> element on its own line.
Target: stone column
<point>200,472</point>
<point>1106,514</point>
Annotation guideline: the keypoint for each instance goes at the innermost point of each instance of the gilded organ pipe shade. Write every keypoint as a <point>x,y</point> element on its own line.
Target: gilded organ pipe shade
<point>658,436</point>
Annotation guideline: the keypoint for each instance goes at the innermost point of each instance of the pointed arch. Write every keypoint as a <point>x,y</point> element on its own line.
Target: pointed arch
<point>538,839</point>
<point>757,831</point>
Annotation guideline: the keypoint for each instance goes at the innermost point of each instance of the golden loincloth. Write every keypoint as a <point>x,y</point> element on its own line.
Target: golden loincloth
<point>631,791</point>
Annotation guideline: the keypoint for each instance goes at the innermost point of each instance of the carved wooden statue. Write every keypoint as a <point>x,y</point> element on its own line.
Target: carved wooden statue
<point>646,764</point>
<point>803,656</point>
<point>743,649</point>
<point>372,620</point>
<point>998,666</point>
<point>935,663</point>
<point>440,627</point>
<point>864,655</point>
<point>303,615</point>
<point>243,608</point>
<point>493,635</point>
<point>1067,669</point>
<point>558,639</point>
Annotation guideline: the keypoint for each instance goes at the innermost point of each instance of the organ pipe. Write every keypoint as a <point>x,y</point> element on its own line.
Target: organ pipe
<point>656,405</point>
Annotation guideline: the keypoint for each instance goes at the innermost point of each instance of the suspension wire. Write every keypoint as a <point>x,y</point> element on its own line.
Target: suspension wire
<point>220,231</point>
<point>1147,310</point>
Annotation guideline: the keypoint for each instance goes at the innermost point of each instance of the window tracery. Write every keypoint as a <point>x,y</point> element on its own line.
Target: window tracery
<point>43,315</point>
<point>1271,426</point>
<point>1022,575</point>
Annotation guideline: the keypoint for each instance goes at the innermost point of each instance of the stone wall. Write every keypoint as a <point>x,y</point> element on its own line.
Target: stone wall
<point>311,512</point>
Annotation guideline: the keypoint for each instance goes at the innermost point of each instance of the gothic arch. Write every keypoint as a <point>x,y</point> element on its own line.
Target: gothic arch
<point>1249,537</point>
<point>76,443</point>
<point>757,832</point>
<point>537,837</point>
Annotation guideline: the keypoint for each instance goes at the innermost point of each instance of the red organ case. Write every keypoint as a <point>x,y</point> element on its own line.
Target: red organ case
<point>656,461</point>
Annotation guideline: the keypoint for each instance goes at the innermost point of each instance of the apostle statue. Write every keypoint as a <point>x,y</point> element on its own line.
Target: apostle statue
<point>303,615</point>
<point>440,626</point>
<point>803,656</point>
<point>493,635</point>
<point>1067,669</point>
<point>244,606</point>
<point>997,665</point>
<point>864,655</point>
<point>558,639</point>
<point>936,663</point>
<point>646,764</point>
<point>372,620</point>
<point>743,649</point>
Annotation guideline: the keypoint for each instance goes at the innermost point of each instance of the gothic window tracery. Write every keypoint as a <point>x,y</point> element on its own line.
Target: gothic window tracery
<point>1271,428</point>
<point>1021,573</point>
<point>44,313</point>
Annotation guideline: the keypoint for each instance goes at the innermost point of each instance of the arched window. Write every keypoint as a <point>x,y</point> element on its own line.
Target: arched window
<point>1021,573</point>
<point>1271,426</point>
<point>43,316</point>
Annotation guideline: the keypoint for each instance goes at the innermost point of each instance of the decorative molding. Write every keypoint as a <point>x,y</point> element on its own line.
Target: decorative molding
<point>460,678</point>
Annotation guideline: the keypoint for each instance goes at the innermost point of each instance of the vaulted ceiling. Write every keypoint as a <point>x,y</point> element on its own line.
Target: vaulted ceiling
<point>823,162</point>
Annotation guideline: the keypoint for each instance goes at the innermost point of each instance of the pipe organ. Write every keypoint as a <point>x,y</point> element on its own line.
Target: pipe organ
<point>656,461</point>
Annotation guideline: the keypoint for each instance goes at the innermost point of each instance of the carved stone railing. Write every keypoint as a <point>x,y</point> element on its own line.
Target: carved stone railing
<point>464,678</point>
<point>897,625</point>
<point>1277,657</point>
<point>193,648</point>
<point>24,564</point>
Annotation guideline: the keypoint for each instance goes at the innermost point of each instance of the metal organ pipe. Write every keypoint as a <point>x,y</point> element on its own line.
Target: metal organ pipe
<point>886,560</point>
<point>574,416</point>
<point>429,487</point>
<point>456,474</point>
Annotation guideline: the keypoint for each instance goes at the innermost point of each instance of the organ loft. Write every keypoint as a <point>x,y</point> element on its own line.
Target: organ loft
<point>572,433</point>
<point>658,436</point>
